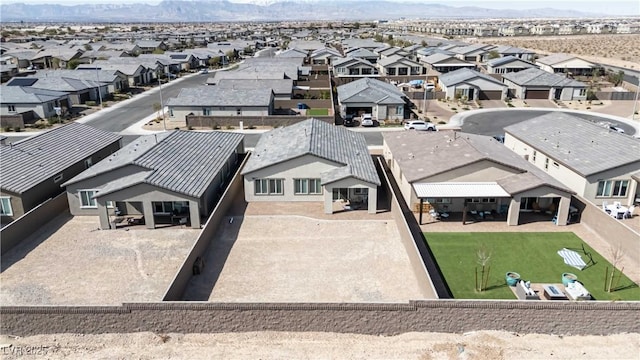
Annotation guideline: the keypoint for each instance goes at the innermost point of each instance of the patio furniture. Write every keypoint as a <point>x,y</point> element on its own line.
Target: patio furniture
<point>552,292</point>
<point>577,291</point>
<point>525,292</point>
<point>572,258</point>
<point>434,214</point>
<point>604,206</point>
<point>629,213</point>
<point>617,211</point>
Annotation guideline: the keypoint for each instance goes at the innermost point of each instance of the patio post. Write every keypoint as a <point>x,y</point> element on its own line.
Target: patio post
<point>421,204</point>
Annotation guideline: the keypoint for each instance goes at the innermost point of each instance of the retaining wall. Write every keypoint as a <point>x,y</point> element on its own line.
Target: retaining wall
<point>273,121</point>
<point>20,229</point>
<point>451,316</point>
<point>181,280</point>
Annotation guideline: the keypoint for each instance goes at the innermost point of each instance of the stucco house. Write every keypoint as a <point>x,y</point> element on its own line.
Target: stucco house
<point>595,162</point>
<point>375,97</point>
<point>312,161</point>
<point>538,84</point>
<point>397,65</point>
<point>461,173</point>
<point>508,64</point>
<point>33,169</point>
<point>164,177</point>
<point>567,64</point>
<point>215,101</point>
<point>31,104</point>
<point>354,67</point>
<point>472,84</point>
<point>444,63</point>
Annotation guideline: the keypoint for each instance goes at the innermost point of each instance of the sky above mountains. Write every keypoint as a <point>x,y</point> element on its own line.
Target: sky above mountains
<point>620,7</point>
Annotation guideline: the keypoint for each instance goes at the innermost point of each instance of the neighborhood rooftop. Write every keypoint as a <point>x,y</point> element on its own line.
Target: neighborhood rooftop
<point>182,161</point>
<point>583,146</point>
<point>215,96</point>
<point>370,90</point>
<point>320,139</point>
<point>537,77</point>
<point>28,162</point>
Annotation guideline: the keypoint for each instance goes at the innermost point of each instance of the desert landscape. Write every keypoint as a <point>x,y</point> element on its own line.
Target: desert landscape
<point>287,345</point>
<point>618,50</point>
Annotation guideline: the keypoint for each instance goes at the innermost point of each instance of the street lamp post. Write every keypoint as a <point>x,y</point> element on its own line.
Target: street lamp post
<point>635,102</point>
<point>164,123</point>
<point>424,102</point>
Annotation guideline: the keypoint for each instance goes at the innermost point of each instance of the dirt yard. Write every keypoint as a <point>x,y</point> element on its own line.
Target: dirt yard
<point>495,345</point>
<point>71,262</point>
<point>300,259</point>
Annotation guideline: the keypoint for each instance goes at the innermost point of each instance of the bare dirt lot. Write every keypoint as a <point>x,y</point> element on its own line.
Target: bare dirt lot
<point>70,262</point>
<point>495,345</point>
<point>617,49</point>
<point>290,258</point>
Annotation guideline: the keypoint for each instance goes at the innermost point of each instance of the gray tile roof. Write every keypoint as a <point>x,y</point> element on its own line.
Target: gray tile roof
<point>348,61</point>
<point>578,144</point>
<point>185,162</point>
<point>26,163</point>
<point>279,86</point>
<point>507,59</point>
<point>205,95</point>
<point>537,77</point>
<point>556,58</point>
<point>320,139</point>
<point>107,76</point>
<point>361,53</point>
<point>28,95</point>
<point>397,59</point>
<point>464,74</point>
<point>439,58</point>
<point>423,154</point>
<point>61,84</point>
<point>370,91</point>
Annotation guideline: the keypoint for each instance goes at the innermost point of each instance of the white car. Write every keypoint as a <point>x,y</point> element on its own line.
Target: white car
<point>419,125</point>
<point>366,120</point>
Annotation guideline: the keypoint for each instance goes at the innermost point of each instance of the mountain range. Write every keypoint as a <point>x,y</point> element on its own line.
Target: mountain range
<point>222,10</point>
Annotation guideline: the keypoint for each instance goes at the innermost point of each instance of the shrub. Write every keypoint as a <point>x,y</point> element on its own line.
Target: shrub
<point>176,128</point>
<point>510,105</point>
<point>454,109</point>
<point>190,127</point>
<point>588,107</point>
<point>442,122</point>
<point>465,108</point>
<point>229,127</point>
<point>90,103</point>
<point>17,128</point>
<point>7,128</point>
<point>251,127</point>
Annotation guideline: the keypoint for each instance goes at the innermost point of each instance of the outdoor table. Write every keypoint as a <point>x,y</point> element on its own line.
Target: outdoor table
<point>552,292</point>
<point>617,211</point>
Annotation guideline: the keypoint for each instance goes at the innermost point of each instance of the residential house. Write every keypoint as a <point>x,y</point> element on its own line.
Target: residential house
<point>538,84</point>
<point>215,101</point>
<point>312,161</point>
<point>167,178</point>
<point>364,54</point>
<point>397,65</point>
<point>282,88</point>
<point>30,104</point>
<point>370,96</point>
<point>55,58</point>
<point>324,56</point>
<point>136,73</point>
<point>307,46</point>
<point>566,64</point>
<point>472,53</point>
<point>80,91</point>
<point>442,63</point>
<point>150,46</point>
<point>595,162</point>
<point>470,174</point>
<point>7,71</point>
<point>516,52</point>
<point>391,51</point>
<point>293,53</point>
<point>508,64</point>
<point>472,85</point>
<point>113,79</point>
<point>369,44</point>
<point>34,168</point>
<point>353,67</point>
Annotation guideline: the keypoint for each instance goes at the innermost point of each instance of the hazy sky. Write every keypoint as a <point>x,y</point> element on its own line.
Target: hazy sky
<point>619,7</point>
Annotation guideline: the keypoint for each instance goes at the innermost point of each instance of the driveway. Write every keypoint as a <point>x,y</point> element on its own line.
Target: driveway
<point>293,258</point>
<point>70,262</point>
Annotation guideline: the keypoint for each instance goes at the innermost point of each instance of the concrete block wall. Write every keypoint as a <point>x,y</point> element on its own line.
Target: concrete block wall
<point>450,316</point>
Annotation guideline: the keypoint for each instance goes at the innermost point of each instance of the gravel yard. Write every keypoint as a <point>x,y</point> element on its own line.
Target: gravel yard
<point>70,262</point>
<point>301,259</point>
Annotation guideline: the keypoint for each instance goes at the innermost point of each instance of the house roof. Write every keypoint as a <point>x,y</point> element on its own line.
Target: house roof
<point>56,83</point>
<point>506,60</point>
<point>536,77</point>
<point>578,144</point>
<point>28,162</point>
<point>369,90</point>
<point>464,75</point>
<point>185,162</point>
<point>349,61</point>
<point>214,96</point>
<point>28,95</point>
<point>448,151</point>
<point>555,59</point>
<point>128,68</point>
<point>106,76</point>
<point>317,138</point>
<point>279,86</point>
<point>396,59</point>
<point>444,59</point>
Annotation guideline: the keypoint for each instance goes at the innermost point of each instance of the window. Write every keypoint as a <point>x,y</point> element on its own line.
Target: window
<point>367,71</point>
<point>87,163</point>
<point>360,191</point>
<point>238,111</point>
<point>12,108</point>
<point>5,206</point>
<point>439,201</point>
<point>399,110</point>
<point>170,112</point>
<point>110,204</point>
<point>556,165</point>
<point>403,71</point>
<point>307,186</point>
<point>613,188</point>
<point>479,200</point>
<point>546,164</point>
<point>391,71</point>
<point>268,186</point>
<point>86,199</point>
<point>58,178</point>
<point>535,153</point>
<point>206,111</point>
<point>583,92</point>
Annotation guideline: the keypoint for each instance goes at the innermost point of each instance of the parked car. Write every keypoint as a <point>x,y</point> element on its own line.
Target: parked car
<point>204,71</point>
<point>617,129</point>
<point>349,120</point>
<point>419,125</point>
<point>366,120</point>
<point>499,138</point>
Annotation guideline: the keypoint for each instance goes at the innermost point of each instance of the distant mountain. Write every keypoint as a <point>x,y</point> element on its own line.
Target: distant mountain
<point>222,10</point>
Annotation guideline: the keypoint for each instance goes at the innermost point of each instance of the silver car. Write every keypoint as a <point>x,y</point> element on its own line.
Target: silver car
<point>419,125</point>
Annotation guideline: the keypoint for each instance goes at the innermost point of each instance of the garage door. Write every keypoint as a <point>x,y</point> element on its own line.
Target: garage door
<point>490,95</point>
<point>537,94</point>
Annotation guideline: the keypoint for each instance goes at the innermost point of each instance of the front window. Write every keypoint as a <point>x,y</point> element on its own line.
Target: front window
<point>403,71</point>
<point>87,200</point>
<point>307,186</point>
<point>12,108</point>
<point>367,71</point>
<point>583,92</point>
<point>533,158</point>
<point>399,110</point>
<point>613,188</point>
<point>391,71</point>
<point>5,206</point>
<point>268,186</point>
<point>88,163</point>
<point>238,111</point>
<point>206,111</point>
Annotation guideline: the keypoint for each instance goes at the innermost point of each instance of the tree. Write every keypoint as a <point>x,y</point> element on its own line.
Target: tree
<point>377,38</point>
<point>88,47</point>
<point>73,63</point>
<point>356,25</point>
<point>135,29</point>
<point>157,51</point>
<point>493,54</point>
<point>483,256</point>
<point>424,43</point>
<point>214,61</point>
<point>616,78</point>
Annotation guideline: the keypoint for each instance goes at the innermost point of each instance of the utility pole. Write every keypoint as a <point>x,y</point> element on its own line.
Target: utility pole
<point>98,82</point>
<point>164,123</point>
<point>635,102</point>
<point>424,103</point>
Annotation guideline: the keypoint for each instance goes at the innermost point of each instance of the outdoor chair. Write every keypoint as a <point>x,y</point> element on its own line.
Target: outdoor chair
<point>629,213</point>
<point>604,206</point>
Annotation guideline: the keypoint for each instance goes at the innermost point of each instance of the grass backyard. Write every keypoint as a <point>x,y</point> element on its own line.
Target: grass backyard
<point>532,255</point>
<point>317,112</point>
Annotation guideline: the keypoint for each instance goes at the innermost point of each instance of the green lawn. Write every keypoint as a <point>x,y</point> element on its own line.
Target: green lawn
<point>532,255</point>
<point>318,112</point>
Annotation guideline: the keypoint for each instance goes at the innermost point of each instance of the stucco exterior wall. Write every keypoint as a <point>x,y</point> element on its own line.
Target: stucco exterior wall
<point>180,112</point>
